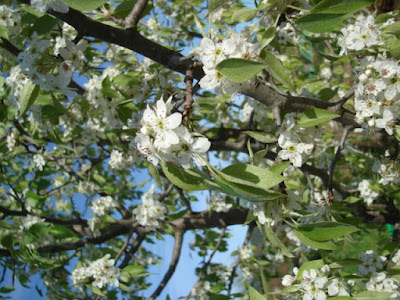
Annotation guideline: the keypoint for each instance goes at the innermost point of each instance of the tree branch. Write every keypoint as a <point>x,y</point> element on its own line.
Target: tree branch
<point>172,266</point>
<point>133,18</point>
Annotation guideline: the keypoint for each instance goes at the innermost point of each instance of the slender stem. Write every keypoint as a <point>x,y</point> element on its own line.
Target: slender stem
<point>133,18</point>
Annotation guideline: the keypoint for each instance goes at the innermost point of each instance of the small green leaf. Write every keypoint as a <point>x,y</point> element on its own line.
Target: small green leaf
<point>307,266</point>
<point>44,24</point>
<point>186,179</point>
<point>215,4</point>
<point>254,294</point>
<point>29,94</point>
<point>279,168</point>
<point>134,270</point>
<point>95,290</point>
<point>340,6</point>
<point>267,37</point>
<point>320,23</point>
<point>324,231</point>
<point>394,48</point>
<point>340,298</point>
<point>344,263</point>
<point>239,70</point>
<point>271,236</point>
<point>153,171</point>
<point>85,4</point>
<point>39,229</point>
<point>315,116</point>
<point>3,32</point>
<point>276,68</point>
<point>251,175</point>
<point>199,26</point>
<point>6,289</point>
<point>244,15</point>
<point>326,245</point>
<point>62,232</point>
<point>261,136</point>
<point>373,295</point>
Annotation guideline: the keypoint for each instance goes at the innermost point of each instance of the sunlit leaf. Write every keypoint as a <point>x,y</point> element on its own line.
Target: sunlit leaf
<point>239,70</point>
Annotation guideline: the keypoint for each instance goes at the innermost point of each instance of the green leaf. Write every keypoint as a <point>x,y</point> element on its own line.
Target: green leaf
<point>153,171</point>
<point>324,231</point>
<point>267,36</point>
<point>321,22</point>
<point>251,175</point>
<point>394,48</point>
<point>215,4</point>
<point>3,32</point>
<point>276,68</point>
<point>62,232</point>
<point>134,270</point>
<point>199,26</point>
<point>254,294</point>
<point>307,266</point>
<point>44,24</point>
<point>340,6</point>
<point>329,14</point>
<point>123,10</point>
<point>373,295</point>
<point>6,289</point>
<point>39,229</point>
<point>239,70</point>
<point>315,116</point>
<point>84,4</point>
<point>95,290</point>
<point>244,15</point>
<point>271,236</point>
<point>190,180</point>
<point>341,298</point>
<point>261,136</point>
<point>28,96</point>
<point>327,245</point>
<point>344,263</point>
<point>279,168</point>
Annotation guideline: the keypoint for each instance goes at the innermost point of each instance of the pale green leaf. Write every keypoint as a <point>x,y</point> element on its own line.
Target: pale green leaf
<point>276,69</point>
<point>153,171</point>
<point>340,298</point>
<point>393,28</point>
<point>340,6</point>
<point>244,15</point>
<point>262,136</point>
<point>29,94</point>
<point>239,70</point>
<point>267,36</point>
<point>186,179</point>
<point>373,295</point>
<point>394,48</point>
<point>324,231</point>
<point>321,22</point>
<point>215,4</point>
<point>315,116</point>
<point>95,290</point>
<point>254,294</point>
<point>84,4</point>
<point>271,236</point>
<point>344,263</point>
<point>279,168</point>
<point>134,270</point>
<point>252,175</point>
<point>199,26</point>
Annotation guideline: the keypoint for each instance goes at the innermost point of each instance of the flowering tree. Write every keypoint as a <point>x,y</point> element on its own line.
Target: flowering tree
<point>299,100</point>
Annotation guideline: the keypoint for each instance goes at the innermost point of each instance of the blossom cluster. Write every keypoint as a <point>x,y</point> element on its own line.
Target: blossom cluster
<point>377,94</point>
<point>372,262</point>
<point>102,205</point>
<point>388,169</point>
<point>363,33</point>
<point>161,137</point>
<point>32,65</point>
<point>151,211</point>
<point>212,53</point>
<point>101,272</point>
<point>297,143</point>
<point>366,192</point>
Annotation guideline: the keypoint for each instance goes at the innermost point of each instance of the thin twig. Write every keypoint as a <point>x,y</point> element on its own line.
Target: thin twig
<point>134,248</point>
<point>172,266</point>
<point>133,18</point>
<point>333,162</point>
<point>187,107</point>
<point>207,263</point>
<point>344,99</point>
<point>124,246</point>
<point>236,265</point>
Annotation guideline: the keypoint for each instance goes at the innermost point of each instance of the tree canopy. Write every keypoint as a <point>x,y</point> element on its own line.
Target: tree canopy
<point>285,114</point>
